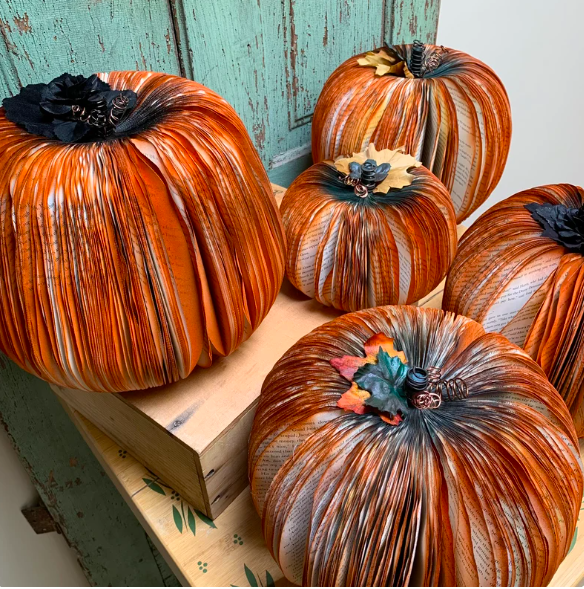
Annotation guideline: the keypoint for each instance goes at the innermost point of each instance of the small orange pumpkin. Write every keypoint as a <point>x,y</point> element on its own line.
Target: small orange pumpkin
<point>134,244</point>
<point>444,107</point>
<point>353,247</point>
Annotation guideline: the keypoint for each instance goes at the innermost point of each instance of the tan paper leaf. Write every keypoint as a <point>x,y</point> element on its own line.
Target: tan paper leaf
<point>400,162</point>
<point>384,64</point>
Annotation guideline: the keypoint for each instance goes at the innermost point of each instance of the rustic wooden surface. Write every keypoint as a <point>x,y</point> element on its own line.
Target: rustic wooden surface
<point>230,550</point>
<point>268,59</point>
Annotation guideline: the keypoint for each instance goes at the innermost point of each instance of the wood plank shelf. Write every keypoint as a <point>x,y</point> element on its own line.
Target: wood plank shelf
<point>233,552</point>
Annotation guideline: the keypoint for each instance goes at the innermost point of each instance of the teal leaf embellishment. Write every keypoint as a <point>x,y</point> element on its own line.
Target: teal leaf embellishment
<point>385,381</point>
<point>178,520</point>
<point>154,486</point>
<point>269,580</point>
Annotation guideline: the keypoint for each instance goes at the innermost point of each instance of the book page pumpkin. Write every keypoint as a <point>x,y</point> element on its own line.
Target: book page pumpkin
<point>446,108</point>
<point>401,446</point>
<point>351,246</point>
<point>139,235</point>
<point>520,271</point>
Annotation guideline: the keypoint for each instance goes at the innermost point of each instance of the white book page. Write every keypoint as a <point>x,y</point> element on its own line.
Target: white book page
<point>519,290</point>
<point>274,456</point>
<point>402,241</point>
<point>467,146</point>
<point>516,330</point>
<point>328,256</point>
<point>308,248</point>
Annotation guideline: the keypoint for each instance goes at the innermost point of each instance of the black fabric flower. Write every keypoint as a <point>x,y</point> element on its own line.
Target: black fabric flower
<point>562,224</point>
<point>69,108</point>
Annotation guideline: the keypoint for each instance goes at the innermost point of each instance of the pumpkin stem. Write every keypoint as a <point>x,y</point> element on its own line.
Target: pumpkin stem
<point>417,58</point>
<point>426,390</point>
<point>365,177</point>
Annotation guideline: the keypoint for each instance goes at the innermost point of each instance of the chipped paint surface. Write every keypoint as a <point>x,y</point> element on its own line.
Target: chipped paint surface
<point>42,39</point>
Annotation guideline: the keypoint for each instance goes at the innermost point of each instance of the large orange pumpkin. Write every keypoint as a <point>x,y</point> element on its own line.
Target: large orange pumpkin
<point>362,477</point>
<point>134,243</point>
<point>520,271</point>
<point>452,114</point>
<point>353,247</point>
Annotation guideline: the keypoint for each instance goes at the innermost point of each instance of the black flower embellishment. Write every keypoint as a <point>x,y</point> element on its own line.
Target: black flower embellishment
<point>70,108</point>
<point>562,224</point>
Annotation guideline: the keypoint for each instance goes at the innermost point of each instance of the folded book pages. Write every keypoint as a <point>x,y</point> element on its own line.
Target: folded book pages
<point>402,446</point>
<point>520,271</point>
<point>139,235</point>
<point>444,107</point>
<point>373,229</point>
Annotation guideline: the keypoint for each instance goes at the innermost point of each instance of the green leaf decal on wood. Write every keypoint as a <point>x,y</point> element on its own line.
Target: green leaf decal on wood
<point>192,522</point>
<point>154,486</point>
<point>177,518</point>
<point>250,577</point>
<point>205,519</point>
<point>269,580</point>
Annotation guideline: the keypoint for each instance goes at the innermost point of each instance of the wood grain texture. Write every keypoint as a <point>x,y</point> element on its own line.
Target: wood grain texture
<point>43,39</point>
<point>111,547</point>
<point>407,20</point>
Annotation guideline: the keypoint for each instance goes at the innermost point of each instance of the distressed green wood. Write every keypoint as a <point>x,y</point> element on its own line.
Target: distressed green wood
<point>111,545</point>
<point>407,20</point>
<point>44,38</point>
<point>270,59</point>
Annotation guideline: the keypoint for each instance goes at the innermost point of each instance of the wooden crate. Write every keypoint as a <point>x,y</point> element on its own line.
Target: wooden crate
<point>194,433</point>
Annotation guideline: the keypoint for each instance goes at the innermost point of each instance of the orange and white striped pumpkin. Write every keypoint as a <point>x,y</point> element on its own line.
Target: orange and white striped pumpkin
<point>453,115</point>
<point>126,262</point>
<point>526,282</point>
<point>481,490</point>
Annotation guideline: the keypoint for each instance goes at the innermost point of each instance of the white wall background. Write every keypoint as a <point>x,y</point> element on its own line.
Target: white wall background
<point>537,49</point>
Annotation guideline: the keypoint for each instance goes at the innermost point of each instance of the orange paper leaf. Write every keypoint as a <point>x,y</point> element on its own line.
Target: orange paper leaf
<point>348,365</point>
<point>354,400</point>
